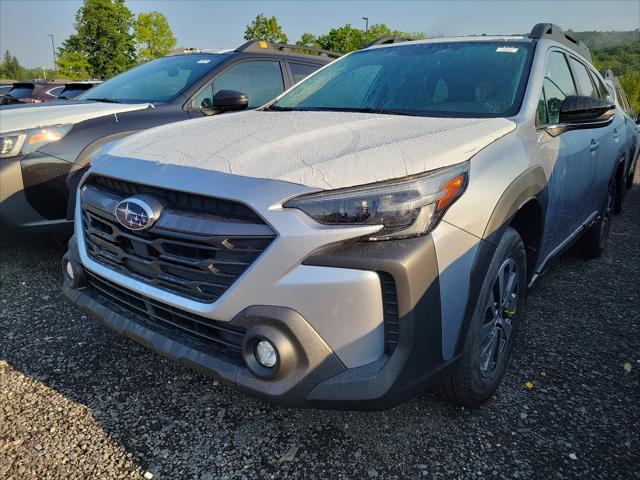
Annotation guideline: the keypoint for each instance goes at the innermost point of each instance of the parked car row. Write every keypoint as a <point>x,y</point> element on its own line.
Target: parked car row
<point>42,91</point>
<point>631,118</point>
<point>367,234</point>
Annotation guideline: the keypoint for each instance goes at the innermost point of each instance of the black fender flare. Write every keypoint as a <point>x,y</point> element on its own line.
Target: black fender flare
<point>529,185</point>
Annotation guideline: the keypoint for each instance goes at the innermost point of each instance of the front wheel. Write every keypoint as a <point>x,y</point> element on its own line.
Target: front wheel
<point>492,329</point>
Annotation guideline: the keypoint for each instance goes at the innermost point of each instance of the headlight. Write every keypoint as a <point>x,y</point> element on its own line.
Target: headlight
<point>408,207</point>
<point>13,144</point>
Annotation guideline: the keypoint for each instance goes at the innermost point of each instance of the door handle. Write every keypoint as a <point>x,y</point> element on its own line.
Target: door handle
<point>594,145</point>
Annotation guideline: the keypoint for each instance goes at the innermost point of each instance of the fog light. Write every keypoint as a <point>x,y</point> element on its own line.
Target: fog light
<point>69,269</point>
<point>266,354</point>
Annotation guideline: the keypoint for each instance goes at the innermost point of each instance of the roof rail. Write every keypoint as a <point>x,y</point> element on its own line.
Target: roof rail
<point>258,46</point>
<point>387,40</point>
<point>554,32</point>
<point>187,50</point>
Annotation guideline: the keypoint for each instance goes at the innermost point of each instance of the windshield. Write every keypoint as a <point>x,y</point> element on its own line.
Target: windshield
<point>456,79</point>
<point>157,81</point>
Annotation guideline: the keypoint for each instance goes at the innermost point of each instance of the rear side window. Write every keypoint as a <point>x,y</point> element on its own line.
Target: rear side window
<point>301,70</point>
<point>557,85</point>
<point>583,79</point>
<point>602,90</point>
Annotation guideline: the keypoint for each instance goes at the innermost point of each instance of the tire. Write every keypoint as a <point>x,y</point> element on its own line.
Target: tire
<point>492,329</point>
<point>594,241</point>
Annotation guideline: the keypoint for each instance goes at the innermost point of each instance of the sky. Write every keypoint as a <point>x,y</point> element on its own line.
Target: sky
<point>220,24</point>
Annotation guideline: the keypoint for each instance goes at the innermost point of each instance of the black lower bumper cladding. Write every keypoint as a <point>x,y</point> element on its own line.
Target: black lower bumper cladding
<point>309,374</point>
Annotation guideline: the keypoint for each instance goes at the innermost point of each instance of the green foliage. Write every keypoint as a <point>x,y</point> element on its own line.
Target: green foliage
<point>630,82</point>
<point>153,36</point>
<point>342,39</point>
<point>619,59</point>
<point>624,61</point>
<point>263,28</point>
<point>600,40</point>
<point>103,44</point>
<point>308,39</point>
<point>347,38</point>
<point>11,68</point>
<point>74,65</point>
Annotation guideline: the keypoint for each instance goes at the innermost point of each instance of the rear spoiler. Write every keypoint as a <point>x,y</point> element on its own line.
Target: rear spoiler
<point>30,85</point>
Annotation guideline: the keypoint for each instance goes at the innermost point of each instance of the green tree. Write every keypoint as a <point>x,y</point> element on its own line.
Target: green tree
<point>263,28</point>
<point>74,65</point>
<point>153,36</point>
<point>11,68</point>
<point>103,37</point>
<point>342,39</point>
<point>347,38</point>
<point>309,40</point>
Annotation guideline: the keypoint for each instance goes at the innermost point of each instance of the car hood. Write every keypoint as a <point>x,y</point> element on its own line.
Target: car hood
<point>323,150</point>
<point>22,117</point>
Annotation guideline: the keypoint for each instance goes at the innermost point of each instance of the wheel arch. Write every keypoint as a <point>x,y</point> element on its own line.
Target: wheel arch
<point>522,202</point>
<point>522,206</point>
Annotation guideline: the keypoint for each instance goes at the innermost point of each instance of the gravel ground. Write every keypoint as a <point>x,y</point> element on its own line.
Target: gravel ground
<point>78,401</point>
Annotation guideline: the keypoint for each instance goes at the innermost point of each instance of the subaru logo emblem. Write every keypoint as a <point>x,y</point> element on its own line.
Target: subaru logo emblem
<point>135,213</point>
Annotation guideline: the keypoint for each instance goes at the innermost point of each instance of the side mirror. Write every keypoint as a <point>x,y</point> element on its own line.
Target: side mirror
<point>227,100</point>
<point>586,112</point>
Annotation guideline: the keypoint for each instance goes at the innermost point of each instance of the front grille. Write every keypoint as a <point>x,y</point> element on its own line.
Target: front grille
<point>197,248</point>
<point>390,312</point>
<point>186,202</point>
<point>201,333</point>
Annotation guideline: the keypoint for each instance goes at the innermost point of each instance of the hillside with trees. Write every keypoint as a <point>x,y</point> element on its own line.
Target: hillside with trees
<point>601,40</point>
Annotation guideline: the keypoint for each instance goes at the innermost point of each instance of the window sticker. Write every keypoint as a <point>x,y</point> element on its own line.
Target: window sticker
<point>204,60</point>
<point>507,49</point>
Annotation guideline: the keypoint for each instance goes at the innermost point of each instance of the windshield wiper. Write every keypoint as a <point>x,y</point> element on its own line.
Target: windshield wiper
<point>104,100</point>
<point>382,111</point>
<point>281,109</point>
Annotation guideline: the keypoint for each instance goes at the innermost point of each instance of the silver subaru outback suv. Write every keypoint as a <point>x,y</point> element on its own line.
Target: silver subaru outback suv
<point>366,236</point>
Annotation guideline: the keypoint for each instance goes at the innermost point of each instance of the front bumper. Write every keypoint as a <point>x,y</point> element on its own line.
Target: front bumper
<point>366,325</point>
<point>313,375</point>
<point>34,197</point>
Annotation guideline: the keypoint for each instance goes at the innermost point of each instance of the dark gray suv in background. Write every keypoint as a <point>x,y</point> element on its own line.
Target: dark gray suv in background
<point>45,148</point>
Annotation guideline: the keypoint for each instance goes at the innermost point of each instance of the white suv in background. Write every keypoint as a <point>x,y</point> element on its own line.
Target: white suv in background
<point>366,236</point>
